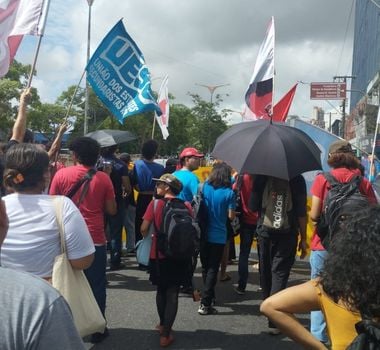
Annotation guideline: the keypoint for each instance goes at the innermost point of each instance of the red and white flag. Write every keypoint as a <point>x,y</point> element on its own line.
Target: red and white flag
<point>259,95</point>
<point>281,108</point>
<point>163,102</point>
<point>19,18</point>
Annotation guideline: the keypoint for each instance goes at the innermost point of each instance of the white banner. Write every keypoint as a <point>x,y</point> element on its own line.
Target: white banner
<point>163,102</point>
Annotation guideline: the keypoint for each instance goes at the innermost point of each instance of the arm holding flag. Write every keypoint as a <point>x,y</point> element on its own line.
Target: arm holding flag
<point>19,127</point>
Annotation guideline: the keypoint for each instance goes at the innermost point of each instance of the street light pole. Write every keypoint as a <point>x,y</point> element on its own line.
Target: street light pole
<point>212,88</point>
<point>87,105</point>
<point>343,79</point>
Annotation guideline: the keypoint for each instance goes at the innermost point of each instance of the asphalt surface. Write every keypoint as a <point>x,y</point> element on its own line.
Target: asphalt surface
<point>132,315</point>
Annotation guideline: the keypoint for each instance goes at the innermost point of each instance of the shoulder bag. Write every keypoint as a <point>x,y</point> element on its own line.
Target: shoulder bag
<point>74,287</point>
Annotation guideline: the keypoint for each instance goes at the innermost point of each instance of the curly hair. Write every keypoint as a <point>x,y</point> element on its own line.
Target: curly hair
<point>352,269</point>
<point>220,175</point>
<point>25,166</point>
<point>343,160</point>
<point>86,149</point>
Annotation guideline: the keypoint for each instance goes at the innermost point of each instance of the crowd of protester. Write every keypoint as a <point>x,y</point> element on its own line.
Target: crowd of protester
<point>99,199</point>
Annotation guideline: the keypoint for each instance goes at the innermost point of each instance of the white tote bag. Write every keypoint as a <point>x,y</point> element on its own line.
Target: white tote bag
<point>74,287</point>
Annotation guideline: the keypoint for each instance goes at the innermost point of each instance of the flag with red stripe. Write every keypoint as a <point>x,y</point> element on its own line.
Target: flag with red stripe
<point>163,102</point>
<point>259,94</point>
<point>18,18</point>
<point>281,108</point>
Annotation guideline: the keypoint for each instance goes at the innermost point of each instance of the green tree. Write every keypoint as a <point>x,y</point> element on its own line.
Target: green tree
<point>208,124</point>
<point>10,88</point>
<point>45,118</point>
<point>98,114</point>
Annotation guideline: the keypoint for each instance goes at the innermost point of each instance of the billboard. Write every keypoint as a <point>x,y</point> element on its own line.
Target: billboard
<point>327,91</point>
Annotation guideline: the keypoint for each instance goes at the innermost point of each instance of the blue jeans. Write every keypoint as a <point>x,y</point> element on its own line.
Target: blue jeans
<point>96,276</point>
<point>115,225</point>
<point>246,238</point>
<point>317,321</point>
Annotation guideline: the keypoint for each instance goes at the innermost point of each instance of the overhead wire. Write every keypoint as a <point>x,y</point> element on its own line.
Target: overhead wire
<point>345,36</point>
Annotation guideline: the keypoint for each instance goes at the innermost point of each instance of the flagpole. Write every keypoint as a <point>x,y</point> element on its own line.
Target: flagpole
<point>274,70</point>
<point>43,14</point>
<point>154,125</point>
<point>74,94</point>
<point>87,96</point>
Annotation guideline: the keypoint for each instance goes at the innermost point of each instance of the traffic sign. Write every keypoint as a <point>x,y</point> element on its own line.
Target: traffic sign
<point>327,91</point>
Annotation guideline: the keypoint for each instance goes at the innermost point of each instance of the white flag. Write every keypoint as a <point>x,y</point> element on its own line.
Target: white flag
<point>163,102</point>
<point>19,18</point>
<point>259,94</point>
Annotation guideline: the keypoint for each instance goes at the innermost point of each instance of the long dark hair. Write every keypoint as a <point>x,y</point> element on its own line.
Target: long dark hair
<point>351,271</point>
<point>220,175</point>
<point>25,166</point>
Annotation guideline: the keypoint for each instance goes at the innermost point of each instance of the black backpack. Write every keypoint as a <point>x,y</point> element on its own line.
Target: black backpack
<point>342,200</point>
<point>368,337</point>
<point>178,234</point>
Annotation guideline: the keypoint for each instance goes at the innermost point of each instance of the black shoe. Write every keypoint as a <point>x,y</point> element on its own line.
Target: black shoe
<point>143,267</point>
<point>117,267</point>
<point>99,337</point>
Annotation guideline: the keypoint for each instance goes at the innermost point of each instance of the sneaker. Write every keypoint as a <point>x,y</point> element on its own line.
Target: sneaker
<point>239,290</point>
<point>206,310</point>
<point>274,331</point>
<point>99,337</point>
<point>166,341</point>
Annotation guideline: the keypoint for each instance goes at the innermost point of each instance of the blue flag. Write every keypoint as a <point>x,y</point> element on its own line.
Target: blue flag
<point>119,76</point>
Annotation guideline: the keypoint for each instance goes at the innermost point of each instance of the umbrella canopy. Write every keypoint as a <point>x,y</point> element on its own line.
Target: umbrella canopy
<point>264,148</point>
<point>108,137</point>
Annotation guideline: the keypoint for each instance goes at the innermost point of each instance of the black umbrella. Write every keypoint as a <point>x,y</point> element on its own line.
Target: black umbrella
<point>264,148</point>
<point>108,137</point>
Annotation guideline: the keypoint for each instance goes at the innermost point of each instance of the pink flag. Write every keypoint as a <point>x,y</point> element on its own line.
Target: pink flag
<point>18,18</point>
<point>281,108</point>
<point>259,95</point>
<point>163,102</point>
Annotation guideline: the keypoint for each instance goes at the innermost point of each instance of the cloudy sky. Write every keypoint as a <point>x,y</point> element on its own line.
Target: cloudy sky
<point>208,42</point>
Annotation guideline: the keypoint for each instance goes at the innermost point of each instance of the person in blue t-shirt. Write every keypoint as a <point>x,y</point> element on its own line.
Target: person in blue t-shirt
<point>144,171</point>
<point>189,161</point>
<point>221,204</point>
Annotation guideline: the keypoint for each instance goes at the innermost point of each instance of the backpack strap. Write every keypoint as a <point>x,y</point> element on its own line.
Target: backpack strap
<point>330,178</point>
<point>86,178</point>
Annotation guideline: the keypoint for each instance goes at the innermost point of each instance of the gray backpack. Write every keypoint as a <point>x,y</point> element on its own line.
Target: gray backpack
<point>276,205</point>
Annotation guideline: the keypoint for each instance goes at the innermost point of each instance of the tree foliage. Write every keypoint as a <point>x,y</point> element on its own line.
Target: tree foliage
<point>197,126</point>
<point>208,124</point>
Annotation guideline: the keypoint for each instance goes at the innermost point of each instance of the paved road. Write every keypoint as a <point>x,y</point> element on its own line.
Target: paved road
<point>132,315</point>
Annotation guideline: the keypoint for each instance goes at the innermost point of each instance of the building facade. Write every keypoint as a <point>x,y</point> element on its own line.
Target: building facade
<point>365,86</point>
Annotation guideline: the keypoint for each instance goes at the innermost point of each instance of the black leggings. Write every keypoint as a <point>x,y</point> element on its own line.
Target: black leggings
<point>167,306</point>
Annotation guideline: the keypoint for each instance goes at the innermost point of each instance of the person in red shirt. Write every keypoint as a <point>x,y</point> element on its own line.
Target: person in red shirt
<point>167,274</point>
<point>98,200</point>
<point>248,223</point>
<point>344,166</point>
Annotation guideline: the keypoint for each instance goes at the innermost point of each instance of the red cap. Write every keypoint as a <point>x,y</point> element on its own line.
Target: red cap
<point>190,152</point>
